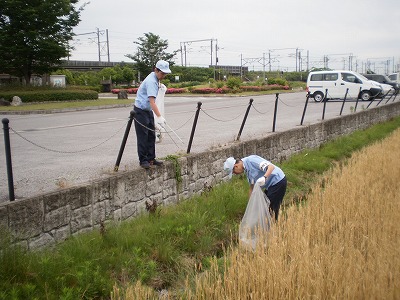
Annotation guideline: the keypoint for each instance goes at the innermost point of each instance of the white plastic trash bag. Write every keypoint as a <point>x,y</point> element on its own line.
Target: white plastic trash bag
<point>160,104</point>
<point>256,218</point>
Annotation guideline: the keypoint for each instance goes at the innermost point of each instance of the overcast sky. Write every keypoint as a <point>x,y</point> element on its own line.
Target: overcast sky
<point>250,33</point>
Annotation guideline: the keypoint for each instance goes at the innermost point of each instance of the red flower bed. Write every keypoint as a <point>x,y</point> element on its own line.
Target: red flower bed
<point>223,90</point>
<point>272,87</point>
<point>132,90</point>
<point>175,91</point>
<point>129,91</point>
<point>203,90</point>
<point>250,88</point>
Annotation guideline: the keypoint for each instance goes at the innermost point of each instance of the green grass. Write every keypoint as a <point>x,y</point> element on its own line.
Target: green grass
<point>67,104</point>
<point>162,248</point>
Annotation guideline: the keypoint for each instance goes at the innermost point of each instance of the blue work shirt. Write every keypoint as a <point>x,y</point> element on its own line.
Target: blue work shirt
<point>148,88</point>
<point>256,167</point>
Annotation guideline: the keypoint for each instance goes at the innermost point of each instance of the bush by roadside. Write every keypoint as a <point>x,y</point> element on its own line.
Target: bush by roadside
<point>50,95</point>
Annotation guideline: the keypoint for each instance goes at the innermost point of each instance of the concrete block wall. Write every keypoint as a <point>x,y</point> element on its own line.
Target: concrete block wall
<point>44,220</point>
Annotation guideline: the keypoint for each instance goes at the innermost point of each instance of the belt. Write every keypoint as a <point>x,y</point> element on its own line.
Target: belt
<point>142,109</point>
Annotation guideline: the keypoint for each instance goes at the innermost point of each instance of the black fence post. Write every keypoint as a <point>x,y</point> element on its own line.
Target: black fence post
<point>305,108</point>
<point>382,98</point>
<point>275,110</point>
<point>325,100</point>
<point>7,146</point>
<point>370,102</point>
<point>125,138</point>
<point>359,94</point>
<point>244,119</point>
<point>344,101</point>
<point>194,126</point>
<point>393,94</point>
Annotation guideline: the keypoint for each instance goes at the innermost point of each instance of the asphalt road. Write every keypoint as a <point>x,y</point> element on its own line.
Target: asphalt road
<point>56,150</point>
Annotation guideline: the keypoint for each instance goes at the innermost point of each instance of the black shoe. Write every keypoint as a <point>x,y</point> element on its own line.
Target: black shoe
<point>156,163</point>
<point>145,165</point>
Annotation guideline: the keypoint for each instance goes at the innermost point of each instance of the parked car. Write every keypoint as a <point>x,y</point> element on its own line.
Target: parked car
<point>395,77</point>
<point>382,79</point>
<point>337,82</point>
<point>386,89</point>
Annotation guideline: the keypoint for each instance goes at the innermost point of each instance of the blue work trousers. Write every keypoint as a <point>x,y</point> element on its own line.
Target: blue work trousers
<point>145,135</point>
<point>275,195</point>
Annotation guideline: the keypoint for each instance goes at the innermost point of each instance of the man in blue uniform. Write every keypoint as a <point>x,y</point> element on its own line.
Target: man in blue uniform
<point>144,107</point>
<point>262,172</point>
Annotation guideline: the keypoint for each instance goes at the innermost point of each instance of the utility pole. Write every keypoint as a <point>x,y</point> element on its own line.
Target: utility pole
<point>98,42</point>
<point>269,59</point>
<point>211,61</point>
<point>300,62</point>
<point>108,46</point>
<point>107,43</point>
<point>216,52</point>
<point>241,66</point>
<point>263,66</point>
<point>181,54</point>
<point>216,58</point>
<point>326,59</point>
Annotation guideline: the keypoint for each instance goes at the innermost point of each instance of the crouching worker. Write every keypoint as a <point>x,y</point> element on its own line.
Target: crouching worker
<point>264,173</point>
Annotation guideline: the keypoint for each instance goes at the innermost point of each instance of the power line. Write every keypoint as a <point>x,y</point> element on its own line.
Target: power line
<point>102,46</point>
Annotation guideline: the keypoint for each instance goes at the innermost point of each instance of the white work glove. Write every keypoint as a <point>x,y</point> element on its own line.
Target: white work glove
<point>160,121</point>
<point>261,181</point>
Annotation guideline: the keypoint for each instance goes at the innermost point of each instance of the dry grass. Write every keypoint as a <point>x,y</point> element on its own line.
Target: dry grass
<point>343,244</point>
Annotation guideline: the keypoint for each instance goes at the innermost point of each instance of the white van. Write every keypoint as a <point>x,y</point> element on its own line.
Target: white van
<point>336,83</point>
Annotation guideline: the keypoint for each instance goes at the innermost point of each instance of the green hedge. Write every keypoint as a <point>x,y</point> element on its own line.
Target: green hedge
<point>50,95</point>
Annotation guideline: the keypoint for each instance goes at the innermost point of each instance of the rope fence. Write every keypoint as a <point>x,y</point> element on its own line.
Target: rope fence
<point>210,113</point>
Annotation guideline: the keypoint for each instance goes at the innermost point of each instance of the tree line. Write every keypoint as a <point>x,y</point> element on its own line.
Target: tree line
<point>35,36</point>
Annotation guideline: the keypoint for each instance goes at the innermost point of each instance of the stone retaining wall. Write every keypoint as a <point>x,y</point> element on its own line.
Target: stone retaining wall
<point>53,217</point>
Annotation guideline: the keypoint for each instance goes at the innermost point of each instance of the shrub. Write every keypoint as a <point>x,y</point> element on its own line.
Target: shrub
<point>51,95</point>
<point>279,81</point>
<point>220,84</point>
<point>234,83</point>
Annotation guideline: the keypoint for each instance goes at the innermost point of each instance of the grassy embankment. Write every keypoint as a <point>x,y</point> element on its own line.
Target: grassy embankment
<point>311,254</point>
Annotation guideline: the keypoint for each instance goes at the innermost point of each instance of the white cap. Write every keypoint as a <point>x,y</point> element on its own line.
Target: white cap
<point>228,166</point>
<point>163,66</point>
